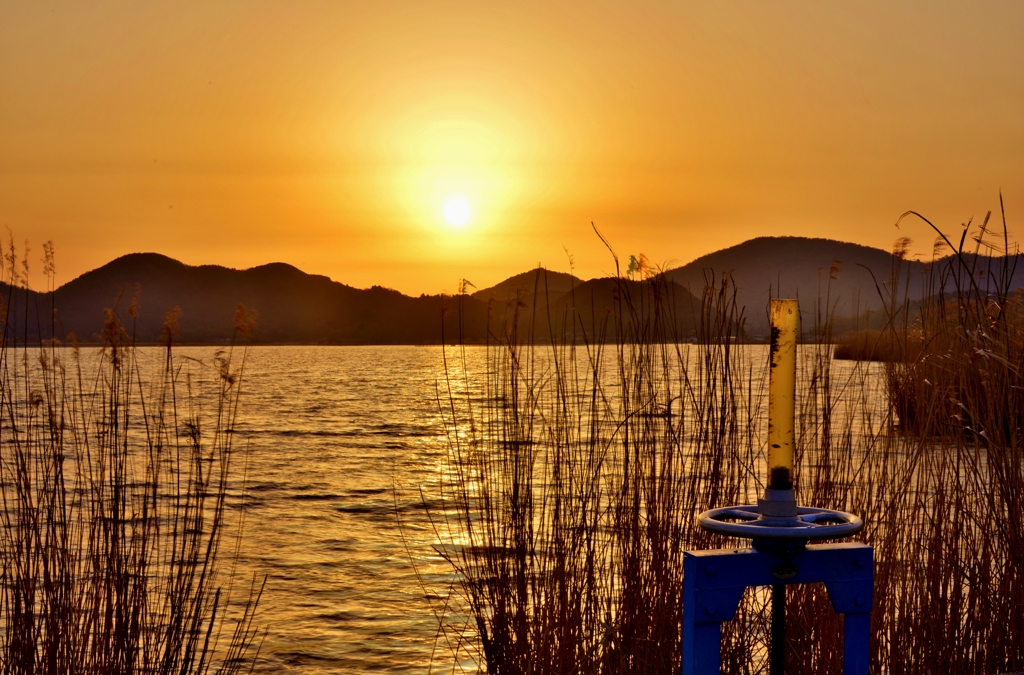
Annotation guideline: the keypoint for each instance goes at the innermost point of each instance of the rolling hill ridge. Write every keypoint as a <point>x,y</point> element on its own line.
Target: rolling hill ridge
<point>294,307</point>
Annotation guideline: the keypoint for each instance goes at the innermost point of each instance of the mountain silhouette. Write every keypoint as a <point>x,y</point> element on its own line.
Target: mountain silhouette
<point>853,281</point>
<point>547,303</point>
<point>523,286</point>
<point>294,307</point>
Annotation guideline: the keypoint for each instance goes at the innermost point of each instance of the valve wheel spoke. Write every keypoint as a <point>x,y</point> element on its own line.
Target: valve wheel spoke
<point>809,523</point>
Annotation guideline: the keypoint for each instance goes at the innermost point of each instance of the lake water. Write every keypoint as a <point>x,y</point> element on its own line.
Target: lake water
<point>345,445</point>
<point>341,442</point>
<point>338,454</point>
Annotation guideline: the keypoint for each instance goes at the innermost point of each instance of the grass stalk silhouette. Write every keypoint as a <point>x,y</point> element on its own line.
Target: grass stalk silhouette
<point>579,465</point>
<point>115,500</point>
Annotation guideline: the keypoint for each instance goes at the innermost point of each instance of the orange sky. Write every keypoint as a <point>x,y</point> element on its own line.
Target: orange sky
<point>328,134</point>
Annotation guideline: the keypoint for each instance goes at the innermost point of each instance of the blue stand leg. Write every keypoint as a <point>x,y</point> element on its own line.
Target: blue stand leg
<point>856,643</point>
<point>708,660</point>
<point>714,581</point>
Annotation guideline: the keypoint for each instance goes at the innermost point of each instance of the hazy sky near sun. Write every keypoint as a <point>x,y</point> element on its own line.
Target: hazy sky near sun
<point>329,135</point>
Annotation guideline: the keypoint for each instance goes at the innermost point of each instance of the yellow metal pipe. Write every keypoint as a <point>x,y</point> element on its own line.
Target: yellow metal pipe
<point>785,318</point>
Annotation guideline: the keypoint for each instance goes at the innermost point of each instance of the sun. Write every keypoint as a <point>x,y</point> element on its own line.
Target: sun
<point>456,210</point>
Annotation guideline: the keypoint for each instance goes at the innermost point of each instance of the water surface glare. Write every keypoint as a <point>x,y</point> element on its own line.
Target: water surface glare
<point>345,455</point>
<point>341,441</point>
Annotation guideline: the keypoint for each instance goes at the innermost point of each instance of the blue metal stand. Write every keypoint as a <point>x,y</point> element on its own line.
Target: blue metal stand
<point>714,581</point>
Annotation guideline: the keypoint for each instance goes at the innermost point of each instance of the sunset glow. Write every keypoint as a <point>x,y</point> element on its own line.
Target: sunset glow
<point>456,210</point>
<point>330,135</point>
<point>437,337</point>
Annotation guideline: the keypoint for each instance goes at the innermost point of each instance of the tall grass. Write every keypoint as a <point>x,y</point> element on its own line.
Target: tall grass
<point>114,492</point>
<point>579,468</point>
<point>577,486</point>
<point>953,570</point>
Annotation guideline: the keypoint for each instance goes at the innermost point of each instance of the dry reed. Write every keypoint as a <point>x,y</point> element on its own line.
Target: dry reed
<point>578,469</point>
<point>115,500</point>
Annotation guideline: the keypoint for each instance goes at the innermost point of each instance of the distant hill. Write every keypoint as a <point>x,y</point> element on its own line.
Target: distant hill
<point>299,308</point>
<point>813,269</point>
<point>292,306</point>
<point>545,301</point>
<point>794,267</point>
<point>597,301</point>
<point>544,282</point>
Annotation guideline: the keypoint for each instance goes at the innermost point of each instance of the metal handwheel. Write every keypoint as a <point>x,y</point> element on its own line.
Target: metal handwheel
<point>809,523</point>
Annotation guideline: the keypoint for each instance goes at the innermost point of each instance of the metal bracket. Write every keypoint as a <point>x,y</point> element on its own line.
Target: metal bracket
<point>714,581</point>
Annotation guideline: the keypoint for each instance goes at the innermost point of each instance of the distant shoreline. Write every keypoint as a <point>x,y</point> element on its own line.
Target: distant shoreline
<point>152,294</point>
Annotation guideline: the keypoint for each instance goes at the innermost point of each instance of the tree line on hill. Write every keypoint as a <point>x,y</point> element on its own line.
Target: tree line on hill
<point>153,294</point>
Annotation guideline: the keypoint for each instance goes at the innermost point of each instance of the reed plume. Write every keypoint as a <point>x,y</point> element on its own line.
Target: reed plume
<point>578,465</point>
<point>115,493</point>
